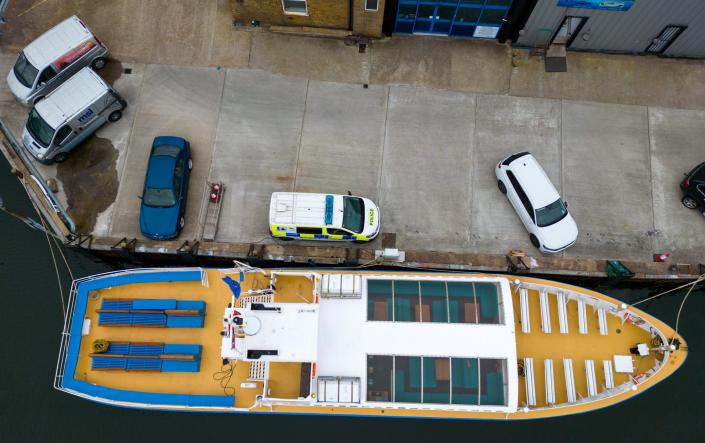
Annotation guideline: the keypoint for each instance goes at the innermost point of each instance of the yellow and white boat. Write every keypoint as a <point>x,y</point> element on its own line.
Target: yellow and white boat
<point>359,343</point>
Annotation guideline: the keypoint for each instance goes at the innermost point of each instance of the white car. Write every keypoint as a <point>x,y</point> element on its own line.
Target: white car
<point>544,214</point>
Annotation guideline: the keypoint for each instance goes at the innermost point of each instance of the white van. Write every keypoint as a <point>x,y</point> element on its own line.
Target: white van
<point>296,215</point>
<point>54,57</point>
<point>67,116</point>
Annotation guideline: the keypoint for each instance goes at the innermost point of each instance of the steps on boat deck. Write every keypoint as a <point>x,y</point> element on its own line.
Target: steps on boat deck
<point>257,371</point>
<point>563,305</point>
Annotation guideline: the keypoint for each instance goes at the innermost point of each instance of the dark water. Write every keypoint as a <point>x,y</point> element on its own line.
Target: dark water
<point>31,410</point>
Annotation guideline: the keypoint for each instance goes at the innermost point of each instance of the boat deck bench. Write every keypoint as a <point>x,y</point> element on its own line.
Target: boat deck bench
<point>149,357</point>
<point>157,313</point>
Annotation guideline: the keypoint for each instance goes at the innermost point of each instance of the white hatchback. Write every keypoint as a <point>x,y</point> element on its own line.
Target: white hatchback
<point>536,201</point>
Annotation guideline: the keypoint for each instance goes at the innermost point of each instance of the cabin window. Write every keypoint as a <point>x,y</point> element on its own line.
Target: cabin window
<point>461,302</point>
<point>407,379</point>
<point>407,305</point>
<point>380,377</point>
<point>437,380</point>
<point>379,300</point>
<point>295,7</point>
<point>465,374</point>
<point>371,5</point>
<point>433,301</point>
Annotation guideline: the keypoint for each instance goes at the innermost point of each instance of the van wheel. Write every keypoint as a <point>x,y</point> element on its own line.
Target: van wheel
<point>502,188</point>
<point>535,241</point>
<point>61,157</point>
<point>284,238</point>
<point>190,164</point>
<point>359,242</point>
<point>115,116</point>
<point>99,63</point>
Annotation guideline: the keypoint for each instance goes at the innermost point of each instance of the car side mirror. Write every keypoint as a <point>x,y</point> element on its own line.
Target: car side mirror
<point>42,84</point>
<point>140,197</point>
<point>566,204</point>
<point>349,193</point>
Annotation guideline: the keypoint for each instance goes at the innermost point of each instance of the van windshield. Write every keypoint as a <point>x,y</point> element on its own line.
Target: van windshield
<point>24,71</point>
<point>40,130</point>
<point>353,217</point>
<point>551,214</point>
<point>159,197</point>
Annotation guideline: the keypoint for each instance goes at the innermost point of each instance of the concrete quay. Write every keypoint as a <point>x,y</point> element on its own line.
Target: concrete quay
<point>417,124</point>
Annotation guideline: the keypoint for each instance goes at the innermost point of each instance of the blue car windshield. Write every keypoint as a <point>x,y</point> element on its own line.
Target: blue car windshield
<point>158,197</point>
<point>551,214</point>
<point>168,150</point>
<point>353,217</point>
<point>24,71</point>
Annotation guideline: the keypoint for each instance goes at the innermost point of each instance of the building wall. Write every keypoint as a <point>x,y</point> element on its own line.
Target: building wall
<point>330,14</point>
<point>368,23</point>
<point>622,31</point>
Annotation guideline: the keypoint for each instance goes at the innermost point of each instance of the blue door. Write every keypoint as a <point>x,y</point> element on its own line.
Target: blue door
<point>462,18</point>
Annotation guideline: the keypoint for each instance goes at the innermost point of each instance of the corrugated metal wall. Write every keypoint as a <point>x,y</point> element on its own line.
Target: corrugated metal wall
<point>622,31</point>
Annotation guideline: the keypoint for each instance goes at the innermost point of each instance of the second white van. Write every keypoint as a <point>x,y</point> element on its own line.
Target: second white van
<point>54,57</point>
<point>64,118</point>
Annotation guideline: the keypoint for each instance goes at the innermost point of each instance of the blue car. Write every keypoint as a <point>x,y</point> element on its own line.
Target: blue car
<point>165,188</point>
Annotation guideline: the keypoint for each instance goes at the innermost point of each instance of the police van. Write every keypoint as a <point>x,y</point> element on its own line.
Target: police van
<point>296,215</point>
<point>69,115</point>
<point>54,57</point>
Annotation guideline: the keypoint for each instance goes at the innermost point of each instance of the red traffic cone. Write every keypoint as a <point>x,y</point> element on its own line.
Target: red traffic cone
<point>661,257</point>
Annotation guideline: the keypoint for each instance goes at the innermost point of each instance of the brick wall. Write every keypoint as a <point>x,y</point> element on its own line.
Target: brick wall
<point>367,23</point>
<point>333,14</point>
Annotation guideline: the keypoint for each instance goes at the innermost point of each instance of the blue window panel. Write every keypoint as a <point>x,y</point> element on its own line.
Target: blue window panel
<point>462,30</point>
<point>441,27</point>
<point>422,26</point>
<point>405,27</point>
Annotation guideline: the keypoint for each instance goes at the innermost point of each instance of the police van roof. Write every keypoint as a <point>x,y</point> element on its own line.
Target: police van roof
<point>56,42</point>
<point>72,97</point>
<point>301,209</point>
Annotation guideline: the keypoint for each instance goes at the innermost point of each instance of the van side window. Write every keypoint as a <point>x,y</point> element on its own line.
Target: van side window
<point>306,230</point>
<point>47,75</point>
<point>522,195</point>
<point>62,133</point>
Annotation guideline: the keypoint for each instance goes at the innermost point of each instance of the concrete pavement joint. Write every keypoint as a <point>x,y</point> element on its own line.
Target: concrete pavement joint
<point>127,147</point>
<point>301,135</point>
<point>651,179</point>
<point>384,141</point>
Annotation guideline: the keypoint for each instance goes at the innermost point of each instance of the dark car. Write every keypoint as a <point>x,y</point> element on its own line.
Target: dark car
<point>693,187</point>
<point>165,188</point>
